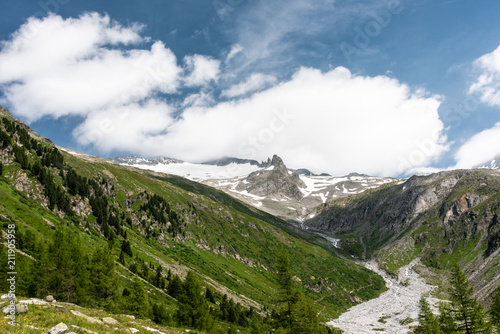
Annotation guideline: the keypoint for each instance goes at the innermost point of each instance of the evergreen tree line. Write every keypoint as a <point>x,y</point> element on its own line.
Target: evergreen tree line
<point>44,163</point>
<point>463,314</point>
<point>158,209</point>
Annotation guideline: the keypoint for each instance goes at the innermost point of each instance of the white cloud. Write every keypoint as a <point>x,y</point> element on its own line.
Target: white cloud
<point>202,70</point>
<point>255,82</point>
<point>488,82</point>
<point>139,128</point>
<point>235,49</point>
<point>334,122</point>
<point>54,66</point>
<point>479,149</point>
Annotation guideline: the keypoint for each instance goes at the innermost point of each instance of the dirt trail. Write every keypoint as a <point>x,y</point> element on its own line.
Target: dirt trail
<point>391,311</point>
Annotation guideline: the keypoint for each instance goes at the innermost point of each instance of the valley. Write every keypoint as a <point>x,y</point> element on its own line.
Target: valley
<point>355,245</point>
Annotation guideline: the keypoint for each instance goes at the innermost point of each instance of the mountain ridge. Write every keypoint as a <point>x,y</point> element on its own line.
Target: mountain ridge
<point>445,218</point>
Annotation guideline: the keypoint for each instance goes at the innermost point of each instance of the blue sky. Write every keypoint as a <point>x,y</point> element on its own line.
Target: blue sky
<point>388,87</point>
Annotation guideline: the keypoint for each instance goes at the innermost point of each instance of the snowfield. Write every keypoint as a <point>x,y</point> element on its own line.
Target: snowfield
<point>199,172</point>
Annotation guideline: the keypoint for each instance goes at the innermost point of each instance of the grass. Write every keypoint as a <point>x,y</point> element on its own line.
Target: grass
<point>41,318</point>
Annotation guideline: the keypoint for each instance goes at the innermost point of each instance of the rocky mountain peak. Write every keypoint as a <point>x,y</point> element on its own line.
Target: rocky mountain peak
<point>278,181</point>
<point>278,164</point>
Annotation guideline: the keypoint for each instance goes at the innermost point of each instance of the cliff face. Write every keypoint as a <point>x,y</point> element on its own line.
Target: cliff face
<point>389,211</point>
<point>445,219</point>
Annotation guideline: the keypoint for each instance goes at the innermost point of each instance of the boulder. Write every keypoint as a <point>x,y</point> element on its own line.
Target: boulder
<point>50,299</point>
<point>18,308</point>
<point>7,309</point>
<point>60,328</point>
<point>9,296</point>
<point>21,308</point>
<point>110,321</point>
<point>34,301</point>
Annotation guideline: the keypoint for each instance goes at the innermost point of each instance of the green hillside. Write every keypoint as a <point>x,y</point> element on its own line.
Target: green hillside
<point>79,218</point>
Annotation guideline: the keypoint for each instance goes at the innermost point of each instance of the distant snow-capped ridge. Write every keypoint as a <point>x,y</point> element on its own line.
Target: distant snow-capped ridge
<point>268,185</point>
<point>133,160</point>
<point>493,164</point>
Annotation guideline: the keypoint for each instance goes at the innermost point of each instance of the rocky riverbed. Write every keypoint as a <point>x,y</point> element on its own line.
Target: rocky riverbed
<point>395,311</point>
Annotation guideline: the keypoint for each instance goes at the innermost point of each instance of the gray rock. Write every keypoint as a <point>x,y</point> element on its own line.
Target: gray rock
<point>60,328</point>
<point>110,321</point>
<point>18,308</point>
<point>8,308</point>
<point>21,308</point>
<point>50,299</point>
<point>87,318</point>
<point>34,301</point>
<point>9,296</point>
<point>128,316</point>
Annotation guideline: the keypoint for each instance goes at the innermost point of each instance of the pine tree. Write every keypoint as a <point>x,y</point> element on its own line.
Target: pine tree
<point>466,311</point>
<point>193,308</point>
<point>160,314</point>
<point>447,322</point>
<point>103,279</point>
<point>428,322</point>
<point>67,279</point>
<point>126,248</point>
<point>137,301</point>
<point>175,287</point>
<point>495,311</point>
<point>288,296</point>
<point>209,295</point>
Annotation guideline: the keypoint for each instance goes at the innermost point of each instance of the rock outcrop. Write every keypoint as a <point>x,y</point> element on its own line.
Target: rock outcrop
<point>60,328</point>
<point>275,180</point>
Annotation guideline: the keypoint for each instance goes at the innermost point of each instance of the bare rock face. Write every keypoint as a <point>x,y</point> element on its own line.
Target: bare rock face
<point>275,180</point>
<point>382,216</point>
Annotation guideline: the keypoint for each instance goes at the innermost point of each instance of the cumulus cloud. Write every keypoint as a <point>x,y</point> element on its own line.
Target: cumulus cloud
<point>202,70</point>
<point>255,82</point>
<point>479,149</point>
<point>335,122</point>
<point>135,127</point>
<point>487,84</point>
<point>57,67</point>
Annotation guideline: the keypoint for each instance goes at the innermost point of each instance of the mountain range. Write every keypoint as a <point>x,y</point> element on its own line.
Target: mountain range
<point>270,185</point>
<point>227,220</point>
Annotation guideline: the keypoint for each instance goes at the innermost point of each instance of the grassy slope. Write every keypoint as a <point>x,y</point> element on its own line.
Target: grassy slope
<point>243,232</point>
<point>40,318</point>
<point>232,246</point>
